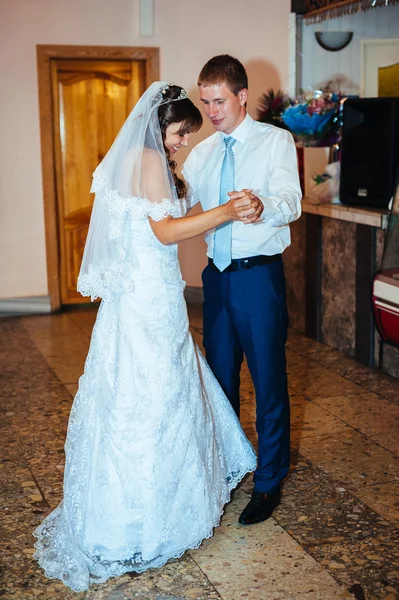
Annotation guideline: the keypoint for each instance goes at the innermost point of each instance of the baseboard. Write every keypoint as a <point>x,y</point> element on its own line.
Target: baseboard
<point>33,305</point>
<point>194,295</point>
<point>37,305</point>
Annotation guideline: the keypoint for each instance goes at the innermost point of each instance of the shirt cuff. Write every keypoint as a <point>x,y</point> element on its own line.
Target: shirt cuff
<point>281,210</point>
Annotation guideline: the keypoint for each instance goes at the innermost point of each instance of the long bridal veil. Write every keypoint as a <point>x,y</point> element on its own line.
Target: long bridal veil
<point>133,179</point>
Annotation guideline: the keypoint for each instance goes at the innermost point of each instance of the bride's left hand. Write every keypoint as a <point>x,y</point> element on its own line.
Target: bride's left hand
<point>249,207</point>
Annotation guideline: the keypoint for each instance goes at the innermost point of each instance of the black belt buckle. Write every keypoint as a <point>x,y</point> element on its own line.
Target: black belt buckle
<point>244,264</point>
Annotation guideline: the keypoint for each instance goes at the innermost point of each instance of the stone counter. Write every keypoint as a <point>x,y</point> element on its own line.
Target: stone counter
<point>373,217</point>
<point>335,252</point>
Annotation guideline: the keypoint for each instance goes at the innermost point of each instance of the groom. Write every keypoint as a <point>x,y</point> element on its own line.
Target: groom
<point>244,289</point>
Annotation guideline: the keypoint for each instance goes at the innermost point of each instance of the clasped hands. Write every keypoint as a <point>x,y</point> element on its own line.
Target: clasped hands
<point>244,206</point>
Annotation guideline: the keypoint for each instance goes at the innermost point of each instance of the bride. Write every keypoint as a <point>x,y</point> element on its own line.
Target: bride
<point>153,446</point>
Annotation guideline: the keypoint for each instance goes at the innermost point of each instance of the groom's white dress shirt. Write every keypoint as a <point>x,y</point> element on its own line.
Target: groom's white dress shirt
<point>265,162</point>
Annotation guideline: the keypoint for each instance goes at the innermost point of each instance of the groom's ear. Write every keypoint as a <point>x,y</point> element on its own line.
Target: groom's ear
<point>243,95</point>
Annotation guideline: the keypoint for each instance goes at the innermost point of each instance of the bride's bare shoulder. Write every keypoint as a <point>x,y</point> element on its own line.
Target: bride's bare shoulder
<point>153,160</point>
<point>153,156</point>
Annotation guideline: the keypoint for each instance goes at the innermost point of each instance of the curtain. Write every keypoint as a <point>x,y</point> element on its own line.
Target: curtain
<point>320,10</point>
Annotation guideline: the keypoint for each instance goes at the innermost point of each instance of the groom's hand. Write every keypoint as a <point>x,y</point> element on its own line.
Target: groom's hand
<point>249,207</point>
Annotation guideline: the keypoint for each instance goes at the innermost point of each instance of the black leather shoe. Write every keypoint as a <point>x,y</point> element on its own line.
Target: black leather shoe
<point>259,508</point>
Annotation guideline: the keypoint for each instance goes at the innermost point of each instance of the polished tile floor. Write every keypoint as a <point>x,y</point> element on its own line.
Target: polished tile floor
<point>335,535</point>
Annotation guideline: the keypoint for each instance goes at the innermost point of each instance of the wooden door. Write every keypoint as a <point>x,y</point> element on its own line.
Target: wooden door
<point>91,101</point>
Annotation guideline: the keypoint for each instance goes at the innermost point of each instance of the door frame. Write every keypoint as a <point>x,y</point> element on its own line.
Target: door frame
<point>44,55</point>
<point>366,44</point>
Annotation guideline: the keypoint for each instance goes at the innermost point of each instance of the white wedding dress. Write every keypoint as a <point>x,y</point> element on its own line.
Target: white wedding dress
<point>153,447</point>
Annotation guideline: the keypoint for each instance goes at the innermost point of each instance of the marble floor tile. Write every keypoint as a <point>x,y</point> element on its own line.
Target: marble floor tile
<point>48,469</point>
<point>261,563</point>
<point>297,398</point>
<point>376,381</point>
<point>68,368</point>
<point>197,337</point>
<point>296,362</point>
<point>301,344</point>
<point>195,316</point>
<point>45,325</point>
<point>308,420</point>
<point>63,347</point>
<point>178,580</point>
<point>292,356</point>
<point>247,397</point>
<point>327,356</point>
<point>388,440</point>
<point>246,418</point>
<point>383,499</point>
<point>316,380</point>
<point>371,380</point>
<point>250,432</point>
<point>351,458</point>
<point>320,514</point>
<point>22,509</point>
<point>86,318</point>
<point>72,388</point>
<point>369,413</point>
<point>360,560</point>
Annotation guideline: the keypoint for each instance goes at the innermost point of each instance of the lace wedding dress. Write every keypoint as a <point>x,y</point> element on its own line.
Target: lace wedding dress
<point>153,446</point>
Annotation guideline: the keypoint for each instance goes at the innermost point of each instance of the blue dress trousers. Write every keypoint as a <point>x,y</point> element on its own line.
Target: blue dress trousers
<point>245,312</point>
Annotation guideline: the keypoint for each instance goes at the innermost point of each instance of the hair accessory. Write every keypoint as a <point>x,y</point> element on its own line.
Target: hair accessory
<point>182,96</point>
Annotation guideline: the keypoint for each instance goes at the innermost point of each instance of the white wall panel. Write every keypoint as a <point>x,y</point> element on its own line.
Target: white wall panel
<point>320,65</point>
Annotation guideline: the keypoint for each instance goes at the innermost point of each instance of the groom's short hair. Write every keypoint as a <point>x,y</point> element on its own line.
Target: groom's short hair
<point>224,69</point>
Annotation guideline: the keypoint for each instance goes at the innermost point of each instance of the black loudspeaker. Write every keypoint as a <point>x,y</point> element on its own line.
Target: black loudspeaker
<point>370,151</point>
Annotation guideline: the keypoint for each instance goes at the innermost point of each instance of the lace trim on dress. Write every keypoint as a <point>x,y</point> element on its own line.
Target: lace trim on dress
<point>83,571</point>
<point>99,284</point>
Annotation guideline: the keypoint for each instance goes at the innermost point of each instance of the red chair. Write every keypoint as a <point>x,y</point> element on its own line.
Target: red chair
<point>386,305</point>
<point>385,294</point>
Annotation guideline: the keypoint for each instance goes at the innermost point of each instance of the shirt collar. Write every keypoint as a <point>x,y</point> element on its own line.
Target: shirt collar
<point>241,132</point>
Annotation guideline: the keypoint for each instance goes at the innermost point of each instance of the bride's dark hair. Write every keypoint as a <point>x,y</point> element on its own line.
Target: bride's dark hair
<point>178,111</point>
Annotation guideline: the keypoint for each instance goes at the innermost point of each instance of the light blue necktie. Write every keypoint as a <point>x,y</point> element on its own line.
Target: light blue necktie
<point>222,237</point>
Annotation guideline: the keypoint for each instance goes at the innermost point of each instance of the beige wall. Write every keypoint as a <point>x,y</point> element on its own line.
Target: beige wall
<point>188,32</point>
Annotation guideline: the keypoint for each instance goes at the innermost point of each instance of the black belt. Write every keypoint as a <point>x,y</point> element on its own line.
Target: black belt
<point>242,264</point>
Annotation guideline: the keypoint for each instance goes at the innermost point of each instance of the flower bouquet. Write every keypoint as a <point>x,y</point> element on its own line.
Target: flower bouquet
<point>272,106</point>
<point>314,119</point>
